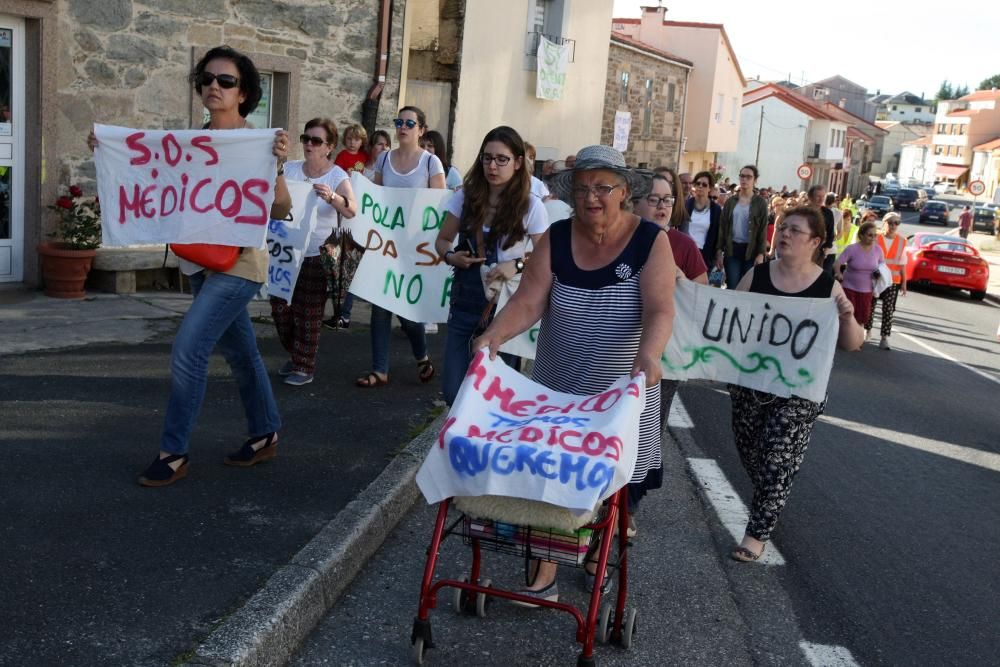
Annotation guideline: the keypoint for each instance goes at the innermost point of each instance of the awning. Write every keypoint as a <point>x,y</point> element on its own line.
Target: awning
<point>950,171</point>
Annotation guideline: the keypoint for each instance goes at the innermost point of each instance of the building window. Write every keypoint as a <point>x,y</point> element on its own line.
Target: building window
<point>917,110</point>
<point>623,97</point>
<point>671,92</point>
<point>647,109</point>
<point>893,107</point>
<point>718,109</point>
<point>732,115</point>
<point>962,129</point>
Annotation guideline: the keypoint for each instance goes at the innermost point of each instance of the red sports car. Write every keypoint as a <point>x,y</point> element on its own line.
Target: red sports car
<point>936,259</point>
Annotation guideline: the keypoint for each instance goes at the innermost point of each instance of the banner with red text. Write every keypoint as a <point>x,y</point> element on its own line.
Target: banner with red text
<point>508,436</point>
<point>287,240</point>
<point>778,344</point>
<point>184,186</point>
<point>400,270</point>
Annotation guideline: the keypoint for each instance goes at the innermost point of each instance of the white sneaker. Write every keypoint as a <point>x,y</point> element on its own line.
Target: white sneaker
<point>431,328</point>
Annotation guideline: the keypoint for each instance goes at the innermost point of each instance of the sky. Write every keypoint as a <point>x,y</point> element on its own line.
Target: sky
<point>884,45</point>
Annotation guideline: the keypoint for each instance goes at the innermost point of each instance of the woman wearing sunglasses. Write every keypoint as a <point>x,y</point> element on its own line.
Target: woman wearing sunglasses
<point>406,166</point>
<point>229,86</point>
<point>494,216</point>
<point>893,247</point>
<point>704,214</point>
<point>299,323</point>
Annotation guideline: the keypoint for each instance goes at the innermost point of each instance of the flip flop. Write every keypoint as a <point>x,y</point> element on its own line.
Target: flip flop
<point>371,380</point>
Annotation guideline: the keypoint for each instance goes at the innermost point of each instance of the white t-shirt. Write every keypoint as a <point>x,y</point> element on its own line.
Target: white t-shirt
<point>453,180</point>
<point>698,229</point>
<point>326,217</point>
<point>419,177</point>
<point>536,221</point>
<point>538,188</point>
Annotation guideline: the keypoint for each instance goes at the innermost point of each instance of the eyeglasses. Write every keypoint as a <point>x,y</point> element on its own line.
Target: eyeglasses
<point>713,197</point>
<point>226,81</point>
<point>599,191</point>
<point>501,160</point>
<point>409,123</point>
<point>656,202</point>
<point>701,184</point>
<point>746,175</point>
<point>894,223</point>
<point>315,141</point>
<point>792,230</point>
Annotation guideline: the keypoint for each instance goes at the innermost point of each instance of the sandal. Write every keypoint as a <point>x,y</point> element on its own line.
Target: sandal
<point>247,456</point>
<point>425,370</point>
<point>373,379</point>
<point>744,555</point>
<point>159,472</point>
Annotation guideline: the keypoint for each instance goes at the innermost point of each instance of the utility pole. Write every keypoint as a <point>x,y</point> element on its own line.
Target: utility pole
<point>760,128</point>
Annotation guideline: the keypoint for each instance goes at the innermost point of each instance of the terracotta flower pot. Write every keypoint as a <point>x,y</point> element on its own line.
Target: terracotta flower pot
<point>65,270</point>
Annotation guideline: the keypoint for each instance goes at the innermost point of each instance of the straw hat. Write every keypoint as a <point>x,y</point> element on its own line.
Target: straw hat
<point>606,158</point>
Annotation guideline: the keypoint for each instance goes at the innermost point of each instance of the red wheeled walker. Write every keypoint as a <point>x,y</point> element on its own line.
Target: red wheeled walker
<point>605,622</point>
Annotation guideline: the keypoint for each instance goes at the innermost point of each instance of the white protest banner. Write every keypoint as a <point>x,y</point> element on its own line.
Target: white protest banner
<point>184,186</point>
<point>508,436</point>
<point>523,345</point>
<point>623,125</point>
<point>778,344</point>
<point>287,239</point>
<point>400,270</point>
<point>553,61</point>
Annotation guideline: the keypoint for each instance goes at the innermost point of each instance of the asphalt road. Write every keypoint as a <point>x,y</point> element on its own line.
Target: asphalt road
<point>890,536</point>
<point>99,571</point>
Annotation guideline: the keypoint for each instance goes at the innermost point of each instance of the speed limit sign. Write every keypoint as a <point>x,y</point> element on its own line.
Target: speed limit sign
<point>804,172</point>
<point>977,188</point>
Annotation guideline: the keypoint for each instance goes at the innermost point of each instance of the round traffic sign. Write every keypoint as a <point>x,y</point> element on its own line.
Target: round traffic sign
<point>977,188</point>
<point>804,172</point>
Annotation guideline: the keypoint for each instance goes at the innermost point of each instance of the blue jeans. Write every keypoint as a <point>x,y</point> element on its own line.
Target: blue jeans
<point>218,316</point>
<point>381,329</point>
<point>736,266</point>
<point>462,325</point>
<point>347,306</point>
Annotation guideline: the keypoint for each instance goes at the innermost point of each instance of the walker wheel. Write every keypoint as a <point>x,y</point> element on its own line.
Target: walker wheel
<point>482,599</point>
<point>629,628</point>
<point>604,624</point>
<point>460,597</point>
<point>418,651</point>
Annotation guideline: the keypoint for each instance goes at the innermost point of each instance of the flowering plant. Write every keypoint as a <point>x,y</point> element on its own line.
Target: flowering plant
<point>79,219</point>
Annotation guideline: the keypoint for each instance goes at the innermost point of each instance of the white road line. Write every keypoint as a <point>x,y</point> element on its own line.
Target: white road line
<point>731,510</point>
<point>679,417</point>
<point>976,457</point>
<point>824,655</point>
<point>949,357</point>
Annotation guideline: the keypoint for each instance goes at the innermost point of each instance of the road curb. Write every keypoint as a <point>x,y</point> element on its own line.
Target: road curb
<point>273,623</point>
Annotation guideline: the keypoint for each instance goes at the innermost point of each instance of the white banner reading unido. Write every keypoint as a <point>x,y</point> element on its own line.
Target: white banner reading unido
<point>184,186</point>
<point>508,436</point>
<point>287,239</point>
<point>400,270</point>
<point>781,345</point>
<point>553,61</point>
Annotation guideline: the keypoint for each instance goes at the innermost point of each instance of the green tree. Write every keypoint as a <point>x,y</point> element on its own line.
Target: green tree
<point>945,92</point>
<point>961,91</point>
<point>992,82</point>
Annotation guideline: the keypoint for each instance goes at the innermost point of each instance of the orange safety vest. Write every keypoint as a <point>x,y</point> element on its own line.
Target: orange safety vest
<point>894,256</point>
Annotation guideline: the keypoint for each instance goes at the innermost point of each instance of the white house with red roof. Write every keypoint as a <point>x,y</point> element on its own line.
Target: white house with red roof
<point>715,89</point>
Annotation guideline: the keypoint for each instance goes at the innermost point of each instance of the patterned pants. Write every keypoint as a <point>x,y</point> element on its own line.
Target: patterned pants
<point>300,322</point>
<point>340,261</point>
<point>888,298</point>
<point>771,435</point>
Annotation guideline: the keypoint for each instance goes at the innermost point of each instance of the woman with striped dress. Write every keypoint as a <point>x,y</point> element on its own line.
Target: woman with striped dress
<point>602,283</point>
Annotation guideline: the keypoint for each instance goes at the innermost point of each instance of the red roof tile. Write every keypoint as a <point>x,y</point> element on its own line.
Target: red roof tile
<point>989,145</point>
<point>982,95</point>
<point>625,39</point>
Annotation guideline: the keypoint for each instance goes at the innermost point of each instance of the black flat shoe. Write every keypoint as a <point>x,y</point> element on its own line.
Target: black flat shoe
<point>247,456</point>
<point>159,472</point>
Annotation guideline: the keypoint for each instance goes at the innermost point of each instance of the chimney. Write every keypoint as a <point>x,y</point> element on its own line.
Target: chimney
<point>842,103</point>
<point>651,23</point>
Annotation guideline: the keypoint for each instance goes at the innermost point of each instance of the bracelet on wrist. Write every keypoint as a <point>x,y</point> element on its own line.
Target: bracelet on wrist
<point>447,255</point>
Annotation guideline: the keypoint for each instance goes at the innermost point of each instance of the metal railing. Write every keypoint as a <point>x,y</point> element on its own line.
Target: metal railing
<point>532,40</point>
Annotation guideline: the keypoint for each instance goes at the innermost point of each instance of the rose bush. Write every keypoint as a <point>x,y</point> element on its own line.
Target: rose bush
<point>79,219</point>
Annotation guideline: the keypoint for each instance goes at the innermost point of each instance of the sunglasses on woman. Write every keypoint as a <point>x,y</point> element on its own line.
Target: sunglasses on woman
<point>226,81</point>
<point>315,141</point>
<point>409,123</point>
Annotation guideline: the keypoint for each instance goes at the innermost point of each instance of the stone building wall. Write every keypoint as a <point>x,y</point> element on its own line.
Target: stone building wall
<point>125,62</point>
<point>661,145</point>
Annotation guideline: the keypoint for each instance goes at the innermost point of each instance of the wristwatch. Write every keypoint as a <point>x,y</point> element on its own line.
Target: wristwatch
<point>519,265</point>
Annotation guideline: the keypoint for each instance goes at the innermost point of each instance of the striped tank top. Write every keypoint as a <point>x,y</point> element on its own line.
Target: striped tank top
<point>590,331</point>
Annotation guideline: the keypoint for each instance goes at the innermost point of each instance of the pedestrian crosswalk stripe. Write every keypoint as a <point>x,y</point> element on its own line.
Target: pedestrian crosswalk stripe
<point>824,655</point>
<point>679,417</point>
<point>727,504</point>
